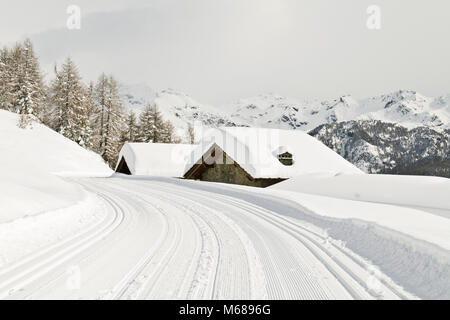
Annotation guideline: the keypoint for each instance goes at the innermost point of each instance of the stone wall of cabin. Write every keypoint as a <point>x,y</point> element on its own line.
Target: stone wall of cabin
<point>229,173</point>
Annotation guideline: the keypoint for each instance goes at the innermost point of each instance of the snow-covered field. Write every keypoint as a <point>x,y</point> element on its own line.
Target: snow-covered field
<point>32,161</point>
<point>67,230</point>
<point>159,238</point>
<point>166,238</point>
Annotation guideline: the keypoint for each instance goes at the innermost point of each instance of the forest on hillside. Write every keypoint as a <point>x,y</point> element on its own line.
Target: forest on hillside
<point>90,114</point>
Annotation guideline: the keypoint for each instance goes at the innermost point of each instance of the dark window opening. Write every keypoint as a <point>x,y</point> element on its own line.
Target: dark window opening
<point>286,159</point>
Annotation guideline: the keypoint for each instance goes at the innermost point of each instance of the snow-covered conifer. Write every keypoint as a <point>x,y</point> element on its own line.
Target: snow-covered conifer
<point>110,119</point>
<point>190,134</point>
<point>132,128</point>
<point>151,124</point>
<point>71,118</point>
<point>167,133</point>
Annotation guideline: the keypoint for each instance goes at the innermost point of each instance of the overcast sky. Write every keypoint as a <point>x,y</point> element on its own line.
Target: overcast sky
<point>221,50</point>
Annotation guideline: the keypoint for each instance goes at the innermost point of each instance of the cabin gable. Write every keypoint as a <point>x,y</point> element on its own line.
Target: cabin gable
<point>123,167</point>
<point>226,171</point>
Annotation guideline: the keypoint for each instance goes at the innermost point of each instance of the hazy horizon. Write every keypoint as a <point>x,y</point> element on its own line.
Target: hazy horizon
<point>219,51</point>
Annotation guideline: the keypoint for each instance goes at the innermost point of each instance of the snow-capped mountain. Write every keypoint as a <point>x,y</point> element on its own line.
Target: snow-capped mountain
<point>409,108</point>
<point>136,97</point>
<point>380,147</point>
<point>177,107</point>
<point>272,111</point>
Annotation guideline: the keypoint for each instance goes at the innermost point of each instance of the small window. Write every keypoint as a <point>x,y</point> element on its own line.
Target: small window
<point>286,159</point>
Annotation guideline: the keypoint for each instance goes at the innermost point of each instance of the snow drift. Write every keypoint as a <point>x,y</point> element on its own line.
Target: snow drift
<point>31,160</point>
<point>430,192</point>
<point>401,223</point>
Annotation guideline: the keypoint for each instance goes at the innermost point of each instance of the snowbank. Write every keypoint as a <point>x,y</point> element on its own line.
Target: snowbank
<point>386,219</point>
<point>31,160</point>
<point>412,246</point>
<point>429,192</point>
<point>417,223</point>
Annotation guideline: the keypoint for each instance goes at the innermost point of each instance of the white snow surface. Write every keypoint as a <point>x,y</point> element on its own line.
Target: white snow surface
<point>256,150</point>
<point>420,191</point>
<point>401,203</point>
<point>31,160</point>
<point>156,159</point>
<point>160,238</point>
<point>332,233</point>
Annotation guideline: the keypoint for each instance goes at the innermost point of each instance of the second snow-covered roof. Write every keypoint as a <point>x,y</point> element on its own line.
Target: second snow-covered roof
<point>156,159</point>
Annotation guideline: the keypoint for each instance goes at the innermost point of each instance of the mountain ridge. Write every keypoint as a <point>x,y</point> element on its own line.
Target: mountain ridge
<point>403,132</point>
<point>406,107</point>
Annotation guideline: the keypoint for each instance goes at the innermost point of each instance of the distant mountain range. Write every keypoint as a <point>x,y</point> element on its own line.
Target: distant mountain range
<point>175,106</point>
<point>408,108</point>
<point>381,147</point>
<point>400,132</point>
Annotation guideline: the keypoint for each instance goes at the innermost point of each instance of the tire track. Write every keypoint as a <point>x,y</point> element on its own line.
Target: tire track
<point>335,266</point>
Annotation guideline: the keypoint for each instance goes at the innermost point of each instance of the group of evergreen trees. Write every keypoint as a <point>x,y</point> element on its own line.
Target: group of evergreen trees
<point>22,88</point>
<point>91,115</point>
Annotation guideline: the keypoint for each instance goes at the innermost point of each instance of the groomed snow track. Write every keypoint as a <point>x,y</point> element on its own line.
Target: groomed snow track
<point>162,240</point>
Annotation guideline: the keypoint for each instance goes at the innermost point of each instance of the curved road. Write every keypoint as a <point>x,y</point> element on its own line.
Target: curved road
<point>161,239</point>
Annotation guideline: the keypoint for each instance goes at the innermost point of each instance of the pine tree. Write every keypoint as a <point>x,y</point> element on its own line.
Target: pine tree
<point>190,134</point>
<point>24,96</point>
<point>90,109</point>
<point>16,77</point>
<point>33,78</point>
<point>110,119</point>
<point>167,133</point>
<point>101,97</point>
<point>6,80</point>
<point>151,125</point>
<point>69,97</point>
<point>146,125</point>
<point>22,89</point>
<point>132,133</point>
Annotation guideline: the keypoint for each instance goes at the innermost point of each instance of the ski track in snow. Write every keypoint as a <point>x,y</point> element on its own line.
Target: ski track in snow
<point>158,240</point>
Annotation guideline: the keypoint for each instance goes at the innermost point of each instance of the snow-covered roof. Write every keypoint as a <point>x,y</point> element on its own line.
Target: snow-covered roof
<point>156,159</point>
<point>256,150</point>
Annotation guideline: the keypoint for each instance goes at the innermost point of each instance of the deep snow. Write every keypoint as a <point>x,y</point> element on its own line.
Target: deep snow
<point>339,228</point>
<point>411,246</point>
<point>421,191</point>
<point>32,161</point>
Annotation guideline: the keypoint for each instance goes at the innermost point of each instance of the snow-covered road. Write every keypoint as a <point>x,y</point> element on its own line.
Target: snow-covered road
<point>159,239</point>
